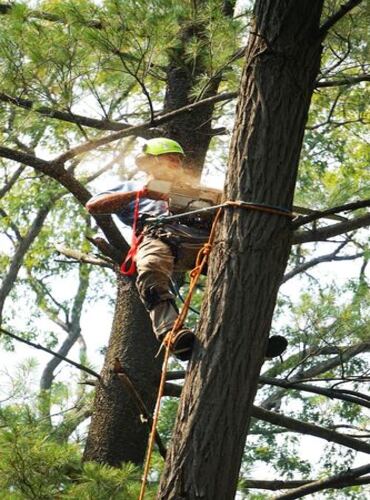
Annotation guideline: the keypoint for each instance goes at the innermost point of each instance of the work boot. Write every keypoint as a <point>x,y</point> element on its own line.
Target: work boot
<point>276,346</point>
<point>181,344</point>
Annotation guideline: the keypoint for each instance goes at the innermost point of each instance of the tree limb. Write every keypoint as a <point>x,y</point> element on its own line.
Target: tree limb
<point>127,383</point>
<point>330,393</point>
<point>279,484</point>
<point>349,80</point>
<point>73,331</point>
<point>300,221</point>
<point>64,115</point>
<point>21,250</point>
<point>341,480</point>
<point>319,368</point>
<point>82,257</point>
<point>337,16</point>
<point>174,390</point>
<point>331,257</point>
<point>57,172</point>
<point>53,353</point>
<point>136,129</point>
<point>47,16</point>
<point>323,233</point>
<point>8,185</point>
<point>313,430</point>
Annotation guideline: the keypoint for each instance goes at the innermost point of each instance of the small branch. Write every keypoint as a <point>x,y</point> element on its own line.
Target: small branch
<point>331,257</point>
<point>320,368</point>
<point>338,481</point>
<point>12,226</point>
<point>337,16</point>
<point>53,353</point>
<point>127,383</point>
<point>8,185</point>
<point>295,425</point>
<point>172,390</point>
<point>106,249</point>
<point>330,211</point>
<point>175,375</point>
<point>82,257</point>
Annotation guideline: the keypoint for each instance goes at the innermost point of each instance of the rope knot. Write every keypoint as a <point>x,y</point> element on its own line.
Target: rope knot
<point>206,250</point>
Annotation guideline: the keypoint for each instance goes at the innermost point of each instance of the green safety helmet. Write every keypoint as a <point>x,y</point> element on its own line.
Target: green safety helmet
<point>162,145</point>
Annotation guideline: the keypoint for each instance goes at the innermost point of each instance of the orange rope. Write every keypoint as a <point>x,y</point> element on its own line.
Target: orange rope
<point>201,260</point>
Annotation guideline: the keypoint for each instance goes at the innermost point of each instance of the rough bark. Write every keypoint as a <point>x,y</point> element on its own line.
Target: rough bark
<point>250,254</point>
<point>116,433</point>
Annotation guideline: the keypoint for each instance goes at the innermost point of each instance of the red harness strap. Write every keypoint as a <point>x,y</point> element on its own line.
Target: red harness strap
<point>128,267</point>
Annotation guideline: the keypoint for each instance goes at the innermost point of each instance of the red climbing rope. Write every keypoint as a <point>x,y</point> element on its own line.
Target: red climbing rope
<point>128,267</point>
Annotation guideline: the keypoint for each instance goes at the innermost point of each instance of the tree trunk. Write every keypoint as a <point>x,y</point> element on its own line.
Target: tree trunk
<point>250,253</point>
<point>193,130</point>
<point>116,432</point>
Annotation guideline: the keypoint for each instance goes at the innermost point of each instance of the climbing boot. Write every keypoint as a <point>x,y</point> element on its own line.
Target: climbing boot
<point>276,346</point>
<point>181,343</point>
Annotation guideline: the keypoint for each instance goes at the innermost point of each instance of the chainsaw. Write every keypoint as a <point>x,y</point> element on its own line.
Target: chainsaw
<point>184,197</point>
<point>187,194</point>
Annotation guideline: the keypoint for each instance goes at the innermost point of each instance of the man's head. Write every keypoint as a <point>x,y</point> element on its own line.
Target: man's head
<point>161,157</point>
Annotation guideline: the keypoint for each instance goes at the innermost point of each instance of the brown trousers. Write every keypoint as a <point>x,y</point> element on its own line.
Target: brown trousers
<point>156,263</point>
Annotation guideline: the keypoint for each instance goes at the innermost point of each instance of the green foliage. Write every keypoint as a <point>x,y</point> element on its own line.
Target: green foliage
<point>34,465</point>
<point>31,464</point>
<point>102,481</point>
<point>96,59</point>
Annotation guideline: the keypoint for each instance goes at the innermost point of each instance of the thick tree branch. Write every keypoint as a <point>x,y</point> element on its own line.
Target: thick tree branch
<point>21,250</point>
<point>278,484</point>
<point>348,207</point>
<point>57,172</point>
<point>63,115</point>
<point>51,169</point>
<point>136,129</point>
<point>337,16</point>
<point>349,80</point>
<point>313,430</point>
<point>324,233</point>
<point>53,353</point>
<point>74,331</point>
<point>346,478</point>
<point>47,16</point>
<point>320,368</point>
<point>330,393</point>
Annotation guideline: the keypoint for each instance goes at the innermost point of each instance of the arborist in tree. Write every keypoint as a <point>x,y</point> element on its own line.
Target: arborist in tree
<point>160,249</point>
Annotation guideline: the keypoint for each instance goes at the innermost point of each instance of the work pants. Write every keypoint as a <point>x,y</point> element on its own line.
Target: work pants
<point>156,262</point>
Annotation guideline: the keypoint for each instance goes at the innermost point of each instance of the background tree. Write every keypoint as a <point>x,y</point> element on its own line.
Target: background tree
<point>79,81</point>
